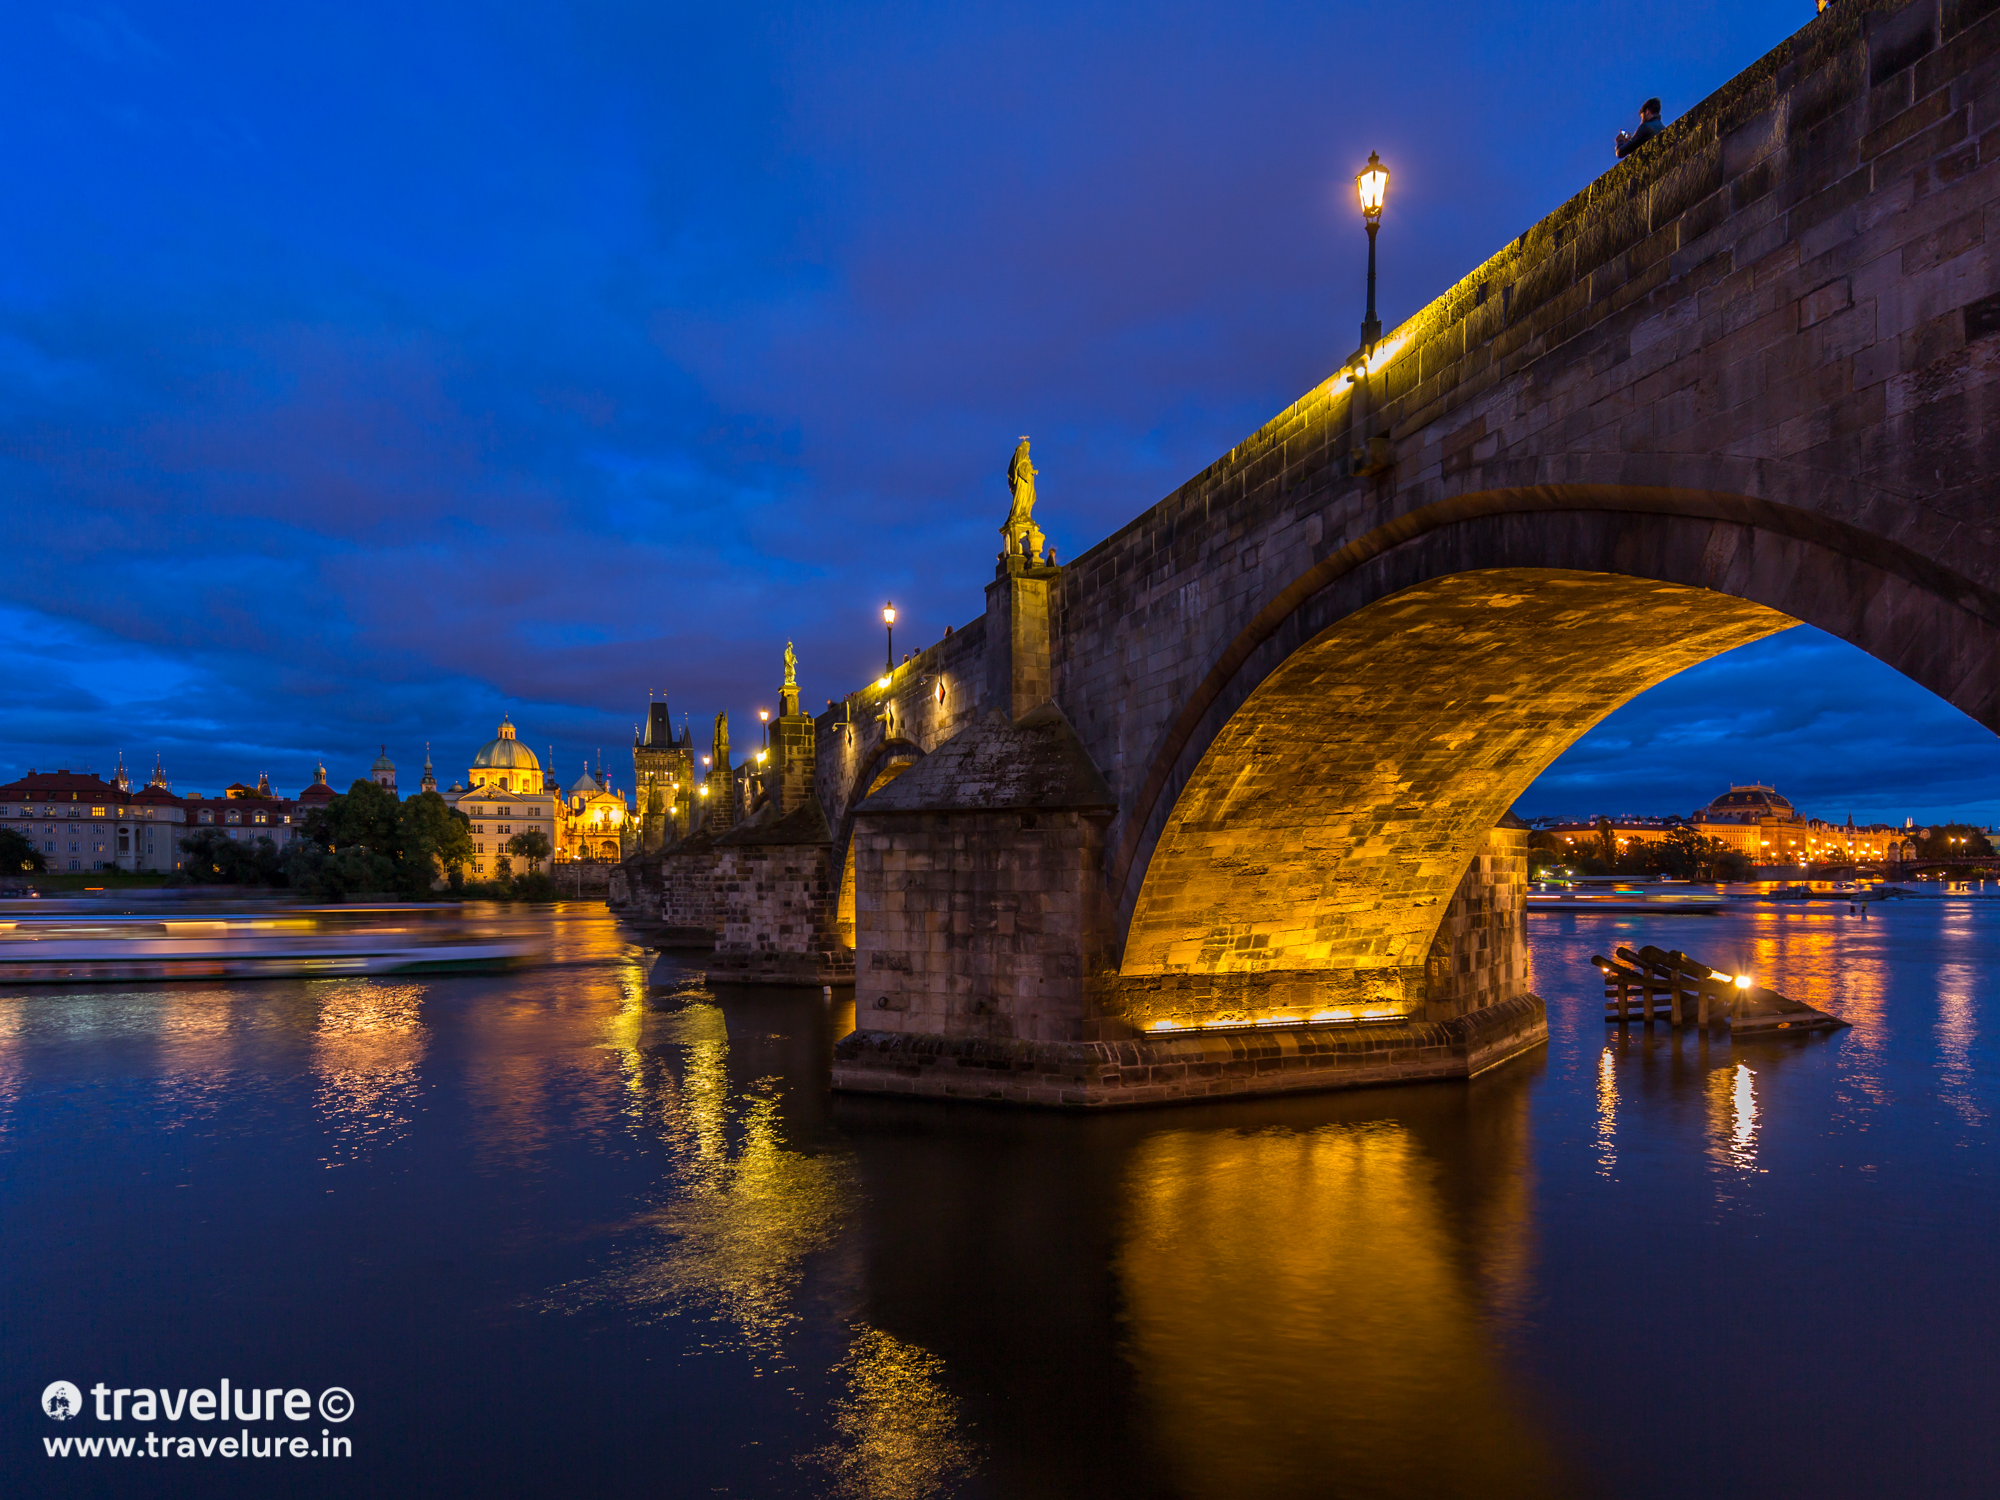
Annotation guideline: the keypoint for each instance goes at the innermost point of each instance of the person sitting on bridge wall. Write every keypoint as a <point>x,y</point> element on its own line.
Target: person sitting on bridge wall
<point>1649,126</point>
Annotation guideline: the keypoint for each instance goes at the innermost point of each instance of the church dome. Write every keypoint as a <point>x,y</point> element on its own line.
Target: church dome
<point>383,763</point>
<point>1751,802</point>
<point>506,753</point>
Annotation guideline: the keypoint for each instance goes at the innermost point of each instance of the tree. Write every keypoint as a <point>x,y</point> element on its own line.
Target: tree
<point>214,858</point>
<point>365,840</point>
<point>435,842</point>
<point>1607,842</point>
<point>19,853</point>
<point>532,846</point>
<point>1952,841</point>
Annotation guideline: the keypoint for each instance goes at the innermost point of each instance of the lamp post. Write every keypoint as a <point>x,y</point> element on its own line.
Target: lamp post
<point>889,622</point>
<point>1372,183</point>
<point>764,718</point>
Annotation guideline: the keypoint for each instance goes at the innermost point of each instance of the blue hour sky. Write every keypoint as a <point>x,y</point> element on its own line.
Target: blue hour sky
<point>369,371</point>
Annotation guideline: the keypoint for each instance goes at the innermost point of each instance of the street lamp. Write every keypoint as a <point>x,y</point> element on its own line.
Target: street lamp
<point>764,718</point>
<point>1372,183</point>
<point>889,622</point>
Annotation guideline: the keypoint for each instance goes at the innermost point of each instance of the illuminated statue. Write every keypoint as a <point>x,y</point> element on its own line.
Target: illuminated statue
<point>1020,532</point>
<point>791,666</point>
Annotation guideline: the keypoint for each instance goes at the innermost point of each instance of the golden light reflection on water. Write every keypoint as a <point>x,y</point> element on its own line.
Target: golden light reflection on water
<point>198,1030</point>
<point>896,1428</point>
<point>742,1210</point>
<point>1294,1297</point>
<point>367,1060</point>
<point>1607,1113</point>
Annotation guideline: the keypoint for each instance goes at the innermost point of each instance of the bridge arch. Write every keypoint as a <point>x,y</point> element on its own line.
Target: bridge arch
<point>1328,781</point>
<point>882,765</point>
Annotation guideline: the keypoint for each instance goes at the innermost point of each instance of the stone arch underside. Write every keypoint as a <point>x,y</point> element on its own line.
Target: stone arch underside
<point>1334,813</point>
<point>889,760</point>
<point>1741,567</point>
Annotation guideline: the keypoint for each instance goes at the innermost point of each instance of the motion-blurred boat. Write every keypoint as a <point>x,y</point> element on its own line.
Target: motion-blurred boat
<point>83,950</point>
<point>1595,900</point>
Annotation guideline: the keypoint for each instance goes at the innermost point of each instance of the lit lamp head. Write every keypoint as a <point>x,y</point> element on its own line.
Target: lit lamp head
<point>888,614</point>
<point>763,716</point>
<point>1743,981</point>
<point>1372,183</point>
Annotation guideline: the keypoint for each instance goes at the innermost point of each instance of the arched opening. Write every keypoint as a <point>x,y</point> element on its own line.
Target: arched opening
<point>1329,819</point>
<point>889,762</point>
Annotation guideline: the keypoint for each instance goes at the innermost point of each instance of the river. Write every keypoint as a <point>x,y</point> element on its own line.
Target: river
<point>596,1229</point>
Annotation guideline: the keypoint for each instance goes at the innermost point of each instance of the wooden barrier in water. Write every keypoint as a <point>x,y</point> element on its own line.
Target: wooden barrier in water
<point>1695,993</point>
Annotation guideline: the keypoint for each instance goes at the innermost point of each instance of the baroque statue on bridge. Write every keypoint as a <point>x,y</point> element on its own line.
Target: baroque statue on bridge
<point>1021,537</point>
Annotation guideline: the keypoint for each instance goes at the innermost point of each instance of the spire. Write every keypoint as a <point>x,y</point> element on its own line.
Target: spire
<point>119,779</point>
<point>263,783</point>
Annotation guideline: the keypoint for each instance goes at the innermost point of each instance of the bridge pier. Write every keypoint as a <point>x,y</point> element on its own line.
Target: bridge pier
<point>984,988</point>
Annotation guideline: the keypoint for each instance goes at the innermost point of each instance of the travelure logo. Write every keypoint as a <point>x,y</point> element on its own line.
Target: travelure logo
<point>62,1400</point>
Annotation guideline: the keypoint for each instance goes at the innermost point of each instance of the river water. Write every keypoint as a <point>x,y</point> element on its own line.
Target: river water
<point>596,1229</point>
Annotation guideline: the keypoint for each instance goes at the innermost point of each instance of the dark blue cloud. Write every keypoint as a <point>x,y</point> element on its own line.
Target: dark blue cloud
<point>367,371</point>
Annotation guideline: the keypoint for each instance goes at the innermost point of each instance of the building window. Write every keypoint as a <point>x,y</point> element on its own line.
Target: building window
<point>234,816</point>
<point>207,816</point>
<point>260,818</point>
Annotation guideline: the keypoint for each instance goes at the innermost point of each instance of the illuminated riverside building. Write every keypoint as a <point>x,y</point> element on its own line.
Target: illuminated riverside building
<point>81,823</point>
<point>664,783</point>
<point>596,820</point>
<point>1760,823</point>
<point>509,795</point>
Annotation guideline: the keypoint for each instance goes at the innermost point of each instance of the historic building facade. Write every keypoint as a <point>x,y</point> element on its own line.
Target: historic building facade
<point>79,822</point>
<point>663,779</point>
<point>596,822</point>
<point>509,795</point>
<point>1756,821</point>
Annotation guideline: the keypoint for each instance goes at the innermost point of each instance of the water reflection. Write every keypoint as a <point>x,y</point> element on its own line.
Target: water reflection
<point>367,1059</point>
<point>1957,1031</point>
<point>1295,1297</point>
<point>1732,1116</point>
<point>897,1432</point>
<point>581,1175</point>
<point>1607,1113</point>
<point>740,1208</point>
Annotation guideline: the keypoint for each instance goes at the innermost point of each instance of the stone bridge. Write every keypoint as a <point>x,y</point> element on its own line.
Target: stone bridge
<point>1218,804</point>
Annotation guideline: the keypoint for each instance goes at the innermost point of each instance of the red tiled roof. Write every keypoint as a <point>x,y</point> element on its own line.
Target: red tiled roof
<point>65,786</point>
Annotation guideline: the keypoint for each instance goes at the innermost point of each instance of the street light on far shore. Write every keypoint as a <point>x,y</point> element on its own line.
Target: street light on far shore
<point>1372,185</point>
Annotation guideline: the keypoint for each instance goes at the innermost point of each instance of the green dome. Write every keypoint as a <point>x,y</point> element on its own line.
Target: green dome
<point>505,753</point>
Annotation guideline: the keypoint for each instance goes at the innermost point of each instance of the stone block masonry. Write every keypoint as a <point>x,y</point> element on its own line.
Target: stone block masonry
<point>1749,377</point>
<point>774,898</point>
